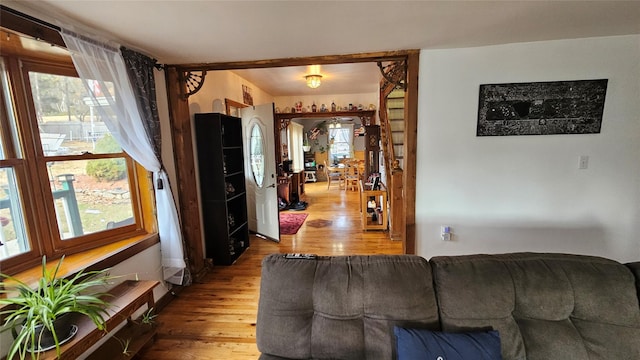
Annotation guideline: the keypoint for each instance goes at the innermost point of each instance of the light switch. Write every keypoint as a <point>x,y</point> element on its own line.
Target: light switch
<point>583,162</point>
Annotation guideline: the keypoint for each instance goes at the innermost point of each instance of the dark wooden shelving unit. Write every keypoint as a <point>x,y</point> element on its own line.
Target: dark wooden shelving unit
<point>222,186</point>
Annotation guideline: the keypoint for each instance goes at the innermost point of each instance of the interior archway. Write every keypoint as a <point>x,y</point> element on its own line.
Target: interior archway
<point>182,139</point>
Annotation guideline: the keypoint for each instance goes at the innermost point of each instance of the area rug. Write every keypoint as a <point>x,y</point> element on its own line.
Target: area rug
<point>290,223</point>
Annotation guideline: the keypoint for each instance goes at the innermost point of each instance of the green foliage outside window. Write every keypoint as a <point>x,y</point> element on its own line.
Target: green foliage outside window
<point>107,169</point>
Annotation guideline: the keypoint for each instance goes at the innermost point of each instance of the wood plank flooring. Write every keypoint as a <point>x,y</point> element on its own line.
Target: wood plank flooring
<point>215,319</point>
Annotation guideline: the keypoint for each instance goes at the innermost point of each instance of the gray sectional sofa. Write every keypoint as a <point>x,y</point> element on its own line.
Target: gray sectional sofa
<point>544,306</point>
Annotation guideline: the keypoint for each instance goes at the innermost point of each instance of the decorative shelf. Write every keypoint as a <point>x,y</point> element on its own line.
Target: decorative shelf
<point>362,114</point>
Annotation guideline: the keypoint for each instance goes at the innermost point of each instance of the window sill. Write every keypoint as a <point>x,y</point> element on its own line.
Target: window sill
<point>95,259</point>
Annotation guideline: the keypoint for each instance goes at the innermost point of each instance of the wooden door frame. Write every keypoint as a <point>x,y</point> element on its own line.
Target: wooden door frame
<point>182,140</point>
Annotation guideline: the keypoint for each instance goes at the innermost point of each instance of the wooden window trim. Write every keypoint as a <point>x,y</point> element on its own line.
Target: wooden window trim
<point>45,239</point>
<point>102,257</point>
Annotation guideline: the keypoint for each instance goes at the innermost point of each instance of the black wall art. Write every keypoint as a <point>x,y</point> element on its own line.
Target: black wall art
<point>541,108</point>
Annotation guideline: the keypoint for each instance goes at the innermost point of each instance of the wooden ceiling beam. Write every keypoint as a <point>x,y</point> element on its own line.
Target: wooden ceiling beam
<point>314,60</point>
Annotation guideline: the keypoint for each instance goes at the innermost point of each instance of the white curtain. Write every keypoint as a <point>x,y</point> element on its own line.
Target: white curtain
<point>350,139</point>
<point>103,64</point>
<point>296,154</point>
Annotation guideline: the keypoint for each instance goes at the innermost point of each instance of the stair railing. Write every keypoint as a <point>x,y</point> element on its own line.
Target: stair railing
<point>394,76</point>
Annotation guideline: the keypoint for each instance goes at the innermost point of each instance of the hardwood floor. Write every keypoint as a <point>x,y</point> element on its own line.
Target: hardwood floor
<point>215,319</point>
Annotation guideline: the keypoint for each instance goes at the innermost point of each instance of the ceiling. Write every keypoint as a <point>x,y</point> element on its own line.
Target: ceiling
<point>362,78</point>
<point>185,31</point>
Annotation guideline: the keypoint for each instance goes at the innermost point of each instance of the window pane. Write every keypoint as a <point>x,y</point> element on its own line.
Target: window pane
<point>257,155</point>
<point>13,239</point>
<point>340,147</point>
<point>6,91</point>
<point>90,195</point>
<point>67,117</point>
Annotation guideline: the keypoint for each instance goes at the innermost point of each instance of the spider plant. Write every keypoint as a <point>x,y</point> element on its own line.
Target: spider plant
<point>148,317</point>
<point>32,312</point>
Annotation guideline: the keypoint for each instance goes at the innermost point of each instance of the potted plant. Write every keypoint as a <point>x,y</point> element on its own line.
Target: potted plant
<point>40,316</point>
<point>305,143</point>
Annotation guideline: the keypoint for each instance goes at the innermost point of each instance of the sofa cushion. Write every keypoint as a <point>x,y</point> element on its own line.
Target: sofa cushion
<point>545,306</point>
<point>323,308</point>
<point>425,344</point>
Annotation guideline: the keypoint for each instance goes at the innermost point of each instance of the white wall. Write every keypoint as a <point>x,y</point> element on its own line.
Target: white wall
<point>526,193</point>
<point>220,85</point>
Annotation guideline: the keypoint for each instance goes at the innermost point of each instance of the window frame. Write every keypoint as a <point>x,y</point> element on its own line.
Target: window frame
<point>30,169</point>
<point>349,142</point>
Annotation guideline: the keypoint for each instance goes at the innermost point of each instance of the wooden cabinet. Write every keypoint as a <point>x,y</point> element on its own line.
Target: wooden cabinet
<point>222,186</point>
<point>373,207</point>
<point>291,187</point>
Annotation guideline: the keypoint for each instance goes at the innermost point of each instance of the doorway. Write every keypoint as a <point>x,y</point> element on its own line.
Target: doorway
<point>178,93</point>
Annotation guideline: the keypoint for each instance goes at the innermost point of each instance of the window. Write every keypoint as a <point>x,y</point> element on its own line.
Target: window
<point>65,183</point>
<point>340,142</point>
<point>257,155</point>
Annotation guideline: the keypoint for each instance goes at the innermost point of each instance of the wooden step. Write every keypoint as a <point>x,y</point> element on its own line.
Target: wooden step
<point>397,138</point>
<point>396,114</point>
<point>397,126</point>
<point>395,103</point>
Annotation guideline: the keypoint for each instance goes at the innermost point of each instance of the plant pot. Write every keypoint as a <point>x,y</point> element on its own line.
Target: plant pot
<point>306,148</point>
<point>64,329</point>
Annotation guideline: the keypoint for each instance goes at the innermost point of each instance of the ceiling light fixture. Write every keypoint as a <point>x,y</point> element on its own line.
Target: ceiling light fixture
<point>313,81</point>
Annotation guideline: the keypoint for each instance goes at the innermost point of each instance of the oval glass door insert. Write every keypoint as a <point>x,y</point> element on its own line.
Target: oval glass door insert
<point>256,146</point>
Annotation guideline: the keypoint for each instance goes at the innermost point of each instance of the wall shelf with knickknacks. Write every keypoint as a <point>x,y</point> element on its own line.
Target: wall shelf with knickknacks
<point>366,116</point>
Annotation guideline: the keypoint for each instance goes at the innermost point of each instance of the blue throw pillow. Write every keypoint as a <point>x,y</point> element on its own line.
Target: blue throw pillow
<point>415,344</point>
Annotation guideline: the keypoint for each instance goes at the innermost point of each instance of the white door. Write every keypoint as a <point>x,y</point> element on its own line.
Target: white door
<point>260,170</point>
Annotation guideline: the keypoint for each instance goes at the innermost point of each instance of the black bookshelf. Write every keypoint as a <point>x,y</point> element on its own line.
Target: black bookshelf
<point>222,186</point>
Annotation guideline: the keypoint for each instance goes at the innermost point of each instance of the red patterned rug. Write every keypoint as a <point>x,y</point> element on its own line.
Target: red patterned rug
<point>290,223</point>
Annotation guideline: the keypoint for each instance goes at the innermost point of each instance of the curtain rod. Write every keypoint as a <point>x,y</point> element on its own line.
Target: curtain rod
<point>58,39</point>
<point>90,40</point>
<point>28,25</point>
<point>30,18</point>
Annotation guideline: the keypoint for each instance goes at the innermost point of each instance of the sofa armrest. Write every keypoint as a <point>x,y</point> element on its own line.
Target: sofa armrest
<point>635,269</point>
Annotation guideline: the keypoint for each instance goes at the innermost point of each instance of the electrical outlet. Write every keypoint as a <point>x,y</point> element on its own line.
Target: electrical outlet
<point>445,233</point>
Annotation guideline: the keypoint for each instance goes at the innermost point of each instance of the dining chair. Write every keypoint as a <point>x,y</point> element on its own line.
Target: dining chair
<point>334,174</point>
<point>352,176</point>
